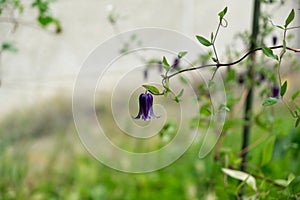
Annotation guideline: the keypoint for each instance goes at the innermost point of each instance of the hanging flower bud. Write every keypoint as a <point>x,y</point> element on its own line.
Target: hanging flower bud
<point>275,91</point>
<point>176,63</point>
<point>241,79</point>
<point>274,40</point>
<point>160,67</point>
<point>262,76</point>
<point>145,74</point>
<point>146,107</point>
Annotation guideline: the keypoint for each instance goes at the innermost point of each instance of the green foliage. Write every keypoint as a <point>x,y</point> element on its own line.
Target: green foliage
<point>268,151</point>
<point>290,18</point>
<point>297,122</point>
<point>242,176</point>
<point>222,13</point>
<point>177,97</point>
<point>43,158</point>
<point>203,41</point>
<point>283,88</point>
<point>9,46</point>
<point>268,52</point>
<point>45,18</point>
<point>295,95</point>
<point>165,63</point>
<point>182,54</point>
<point>152,89</point>
<point>270,101</point>
<point>168,131</point>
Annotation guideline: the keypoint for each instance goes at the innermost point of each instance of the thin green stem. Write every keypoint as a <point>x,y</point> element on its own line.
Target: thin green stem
<point>214,39</point>
<point>231,63</point>
<point>222,64</point>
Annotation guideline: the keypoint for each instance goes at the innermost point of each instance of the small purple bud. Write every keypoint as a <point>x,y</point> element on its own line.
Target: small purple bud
<point>160,67</point>
<point>146,74</point>
<point>241,79</point>
<point>146,107</point>
<point>262,77</point>
<point>275,91</point>
<point>176,63</point>
<point>274,40</point>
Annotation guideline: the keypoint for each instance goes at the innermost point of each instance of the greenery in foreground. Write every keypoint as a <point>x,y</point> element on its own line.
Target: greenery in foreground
<point>41,157</point>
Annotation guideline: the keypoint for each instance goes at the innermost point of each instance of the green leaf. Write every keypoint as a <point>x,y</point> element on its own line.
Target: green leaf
<point>9,46</point>
<point>242,176</point>
<point>281,182</point>
<point>165,63</point>
<point>177,98</point>
<point>182,54</point>
<point>183,80</point>
<point>180,93</point>
<point>111,19</point>
<point>214,59</point>
<point>151,89</point>
<point>268,52</point>
<point>268,151</point>
<point>295,113</point>
<point>133,37</point>
<point>205,110</point>
<point>294,186</point>
<point>297,122</point>
<point>222,13</point>
<point>295,95</point>
<point>290,18</point>
<point>212,37</point>
<point>283,88</point>
<point>45,20</point>
<point>278,26</point>
<point>203,41</point>
<point>291,177</point>
<point>270,101</point>
<point>224,107</point>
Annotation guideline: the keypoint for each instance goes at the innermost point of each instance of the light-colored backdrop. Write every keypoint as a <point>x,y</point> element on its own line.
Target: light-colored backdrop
<point>48,64</point>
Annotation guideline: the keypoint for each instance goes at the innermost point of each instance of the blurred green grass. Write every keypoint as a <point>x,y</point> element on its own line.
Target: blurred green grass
<point>41,157</point>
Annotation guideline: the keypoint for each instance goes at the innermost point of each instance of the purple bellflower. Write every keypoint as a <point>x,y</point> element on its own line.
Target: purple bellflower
<point>275,91</point>
<point>146,107</point>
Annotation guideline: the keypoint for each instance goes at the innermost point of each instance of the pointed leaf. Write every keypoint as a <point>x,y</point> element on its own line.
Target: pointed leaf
<point>151,89</point>
<point>212,37</point>
<point>242,176</point>
<point>270,101</point>
<point>290,18</point>
<point>9,46</point>
<point>165,63</point>
<point>214,59</point>
<point>268,151</point>
<point>297,122</point>
<point>182,54</point>
<point>295,95</point>
<point>203,41</point>
<point>268,52</point>
<point>280,27</point>
<point>180,93</point>
<point>176,99</point>
<point>294,185</point>
<point>283,88</point>
<point>223,13</point>
<point>183,80</point>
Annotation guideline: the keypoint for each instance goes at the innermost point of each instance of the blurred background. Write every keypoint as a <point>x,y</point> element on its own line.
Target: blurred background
<point>41,156</point>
